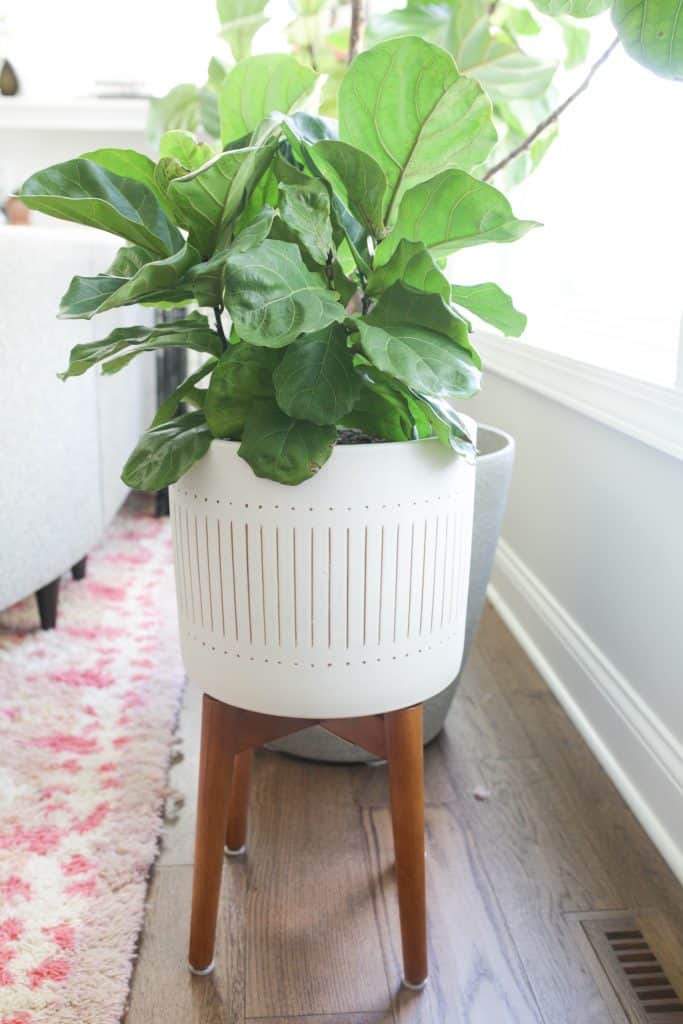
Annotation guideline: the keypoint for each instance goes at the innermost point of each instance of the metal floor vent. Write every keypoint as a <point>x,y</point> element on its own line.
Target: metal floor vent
<point>637,976</point>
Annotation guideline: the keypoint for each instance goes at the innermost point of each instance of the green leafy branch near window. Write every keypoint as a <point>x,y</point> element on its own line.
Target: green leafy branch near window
<point>316,252</point>
<point>488,40</point>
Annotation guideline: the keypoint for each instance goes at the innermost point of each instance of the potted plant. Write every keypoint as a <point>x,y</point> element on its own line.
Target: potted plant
<point>322,484</point>
<point>320,250</point>
<point>321,253</point>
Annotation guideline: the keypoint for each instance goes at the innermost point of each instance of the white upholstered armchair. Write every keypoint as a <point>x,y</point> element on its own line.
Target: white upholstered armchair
<point>62,444</point>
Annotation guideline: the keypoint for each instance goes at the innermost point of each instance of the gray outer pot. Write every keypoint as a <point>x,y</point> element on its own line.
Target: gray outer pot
<point>494,470</point>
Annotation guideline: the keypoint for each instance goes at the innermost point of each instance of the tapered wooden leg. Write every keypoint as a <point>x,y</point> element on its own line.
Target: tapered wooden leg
<point>215,773</point>
<point>406,775</point>
<point>48,600</point>
<point>236,832</point>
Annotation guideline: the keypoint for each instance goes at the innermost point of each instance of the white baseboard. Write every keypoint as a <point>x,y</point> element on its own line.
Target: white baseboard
<point>636,749</point>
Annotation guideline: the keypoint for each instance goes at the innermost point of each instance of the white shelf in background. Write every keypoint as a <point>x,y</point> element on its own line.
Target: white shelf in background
<point>18,113</point>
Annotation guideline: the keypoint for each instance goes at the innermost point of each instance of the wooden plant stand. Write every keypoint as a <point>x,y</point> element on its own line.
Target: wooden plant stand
<point>229,737</point>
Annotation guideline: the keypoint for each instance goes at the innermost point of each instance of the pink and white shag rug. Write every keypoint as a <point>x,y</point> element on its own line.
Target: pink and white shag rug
<point>87,714</point>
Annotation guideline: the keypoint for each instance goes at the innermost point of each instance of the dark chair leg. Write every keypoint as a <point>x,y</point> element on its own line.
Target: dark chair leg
<point>162,503</point>
<point>78,570</point>
<point>47,598</point>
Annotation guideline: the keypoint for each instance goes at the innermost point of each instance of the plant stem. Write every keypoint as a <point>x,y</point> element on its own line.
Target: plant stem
<point>357,28</point>
<point>217,310</point>
<point>553,116</point>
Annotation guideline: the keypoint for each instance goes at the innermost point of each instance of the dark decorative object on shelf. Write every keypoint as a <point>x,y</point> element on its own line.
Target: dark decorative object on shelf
<point>9,83</point>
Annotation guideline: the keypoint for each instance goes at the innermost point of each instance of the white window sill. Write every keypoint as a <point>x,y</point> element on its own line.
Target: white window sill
<point>83,115</point>
<point>648,412</point>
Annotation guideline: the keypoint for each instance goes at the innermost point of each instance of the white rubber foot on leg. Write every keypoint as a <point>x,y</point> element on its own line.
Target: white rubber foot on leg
<point>235,853</point>
<point>201,972</point>
<point>412,986</point>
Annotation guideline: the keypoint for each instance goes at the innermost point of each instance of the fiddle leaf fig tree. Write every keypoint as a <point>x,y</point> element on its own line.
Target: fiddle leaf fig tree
<point>313,254</point>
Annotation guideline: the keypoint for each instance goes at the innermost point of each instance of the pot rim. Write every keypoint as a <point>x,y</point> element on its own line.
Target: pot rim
<point>509,440</point>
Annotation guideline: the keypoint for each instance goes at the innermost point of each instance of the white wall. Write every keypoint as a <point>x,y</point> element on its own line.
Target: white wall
<point>589,575</point>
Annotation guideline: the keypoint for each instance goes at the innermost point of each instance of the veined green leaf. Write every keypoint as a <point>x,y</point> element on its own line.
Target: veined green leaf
<point>447,426</point>
<point>283,449</point>
<point>357,179</point>
<point>179,108</point>
<point>165,452</point>
<point>652,33</point>
<point>185,148</point>
<point>305,209</point>
<point>576,8</point>
<point>412,264</point>
<point>386,408</point>
<point>212,196</point>
<point>451,212</point>
<point>240,21</point>
<point>127,163</point>
<point>158,280</point>
<point>272,297</point>
<point>402,306</point>
<point>169,407</point>
<point>316,380</point>
<point>577,43</point>
<point>424,360</point>
<point>406,105</point>
<point>258,86</point>
<point>244,372</point>
<point>206,279</point>
<point>492,304</point>
<point>86,193</point>
<point>192,332</point>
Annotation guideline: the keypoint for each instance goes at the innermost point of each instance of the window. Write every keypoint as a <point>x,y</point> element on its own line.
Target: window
<point>602,281</point>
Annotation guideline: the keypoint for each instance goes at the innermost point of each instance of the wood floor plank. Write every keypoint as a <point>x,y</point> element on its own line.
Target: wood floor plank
<point>476,976</point>
<point>164,991</point>
<point>638,871</point>
<point>541,867</point>
<point>347,1018</point>
<point>313,943</point>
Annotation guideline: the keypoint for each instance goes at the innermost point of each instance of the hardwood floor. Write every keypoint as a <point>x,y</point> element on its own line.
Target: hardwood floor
<point>526,836</point>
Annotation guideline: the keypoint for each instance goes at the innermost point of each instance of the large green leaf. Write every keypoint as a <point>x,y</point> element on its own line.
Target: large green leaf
<point>206,279</point>
<point>403,306</point>
<point>83,192</point>
<point>652,33</point>
<point>159,280</point>
<point>179,108</point>
<point>387,409</point>
<point>576,8</point>
<point>316,380</point>
<point>127,163</point>
<point>272,297</point>
<point>244,372</point>
<point>356,178</point>
<point>492,304</point>
<point>259,86</point>
<point>446,425</point>
<point>185,148</point>
<point>169,407</point>
<point>413,264</point>
<point>165,452</point>
<point>405,103</point>
<point>283,449</point>
<point>212,196</point>
<point>240,21</point>
<point>192,332</point>
<point>424,360</point>
<point>305,209</point>
<point>453,211</point>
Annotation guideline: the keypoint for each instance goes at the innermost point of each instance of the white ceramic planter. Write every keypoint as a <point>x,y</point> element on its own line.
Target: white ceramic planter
<point>341,597</point>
